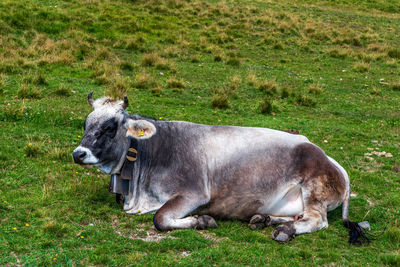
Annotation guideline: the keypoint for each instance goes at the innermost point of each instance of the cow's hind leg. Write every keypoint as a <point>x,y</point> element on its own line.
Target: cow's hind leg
<point>311,221</point>
<point>172,215</point>
<point>260,221</point>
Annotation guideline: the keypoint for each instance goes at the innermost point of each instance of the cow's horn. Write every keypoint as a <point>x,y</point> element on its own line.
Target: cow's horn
<point>90,98</point>
<point>126,102</point>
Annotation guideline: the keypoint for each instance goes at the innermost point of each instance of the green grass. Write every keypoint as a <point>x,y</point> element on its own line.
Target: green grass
<point>334,67</point>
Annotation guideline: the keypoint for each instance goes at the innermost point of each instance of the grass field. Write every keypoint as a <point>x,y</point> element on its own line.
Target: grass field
<point>329,69</point>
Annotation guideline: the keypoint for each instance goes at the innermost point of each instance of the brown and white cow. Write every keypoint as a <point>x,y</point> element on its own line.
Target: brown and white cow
<point>189,174</point>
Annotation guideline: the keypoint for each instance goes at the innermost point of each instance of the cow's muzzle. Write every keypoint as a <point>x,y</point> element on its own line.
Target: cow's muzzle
<point>79,156</point>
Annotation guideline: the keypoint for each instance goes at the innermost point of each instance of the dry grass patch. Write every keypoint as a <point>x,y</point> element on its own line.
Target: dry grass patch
<point>252,79</point>
<point>235,62</point>
<point>220,99</point>
<point>376,91</point>
<point>269,87</point>
<point>157,91</point>
<point>266,106</point>
<point>150,60</point>
<point>176,84</point>
<point>28,91</point>
<point>396,86</point>
<point>144,81</point>
<point>361,67</point>
<point>315,88</point>
<point>376,47</point>
<point>304,100</point>
<point>165,64</point>
<point>340,52</point>
<point>234,85</point>
<point>394,53</point>
<point>118,88</point>
<point>171,51</point>
<point>63,90</point>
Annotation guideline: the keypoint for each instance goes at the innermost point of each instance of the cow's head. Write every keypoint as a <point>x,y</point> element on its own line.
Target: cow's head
<point>107,130</point>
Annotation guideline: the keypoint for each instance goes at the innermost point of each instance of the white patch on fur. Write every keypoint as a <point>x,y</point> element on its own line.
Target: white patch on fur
<point>287,202</point>
<point>89,158</point>
<point>142,205</point>
<point>187,222</point>
<point>104,109</point>
<point>235,140</point>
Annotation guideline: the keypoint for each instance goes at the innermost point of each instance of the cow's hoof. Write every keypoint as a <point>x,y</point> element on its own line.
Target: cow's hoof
<point>259,221</point>
<point>283,233</point>
<point>206,221</point>
<point>258,218</point>
<point>256,226</point>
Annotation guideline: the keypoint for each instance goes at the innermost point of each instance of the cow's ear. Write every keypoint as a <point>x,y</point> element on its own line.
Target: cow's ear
<point>140,129</point>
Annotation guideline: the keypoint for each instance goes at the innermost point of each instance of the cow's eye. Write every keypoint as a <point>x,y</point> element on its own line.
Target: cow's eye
<point>110,131</point>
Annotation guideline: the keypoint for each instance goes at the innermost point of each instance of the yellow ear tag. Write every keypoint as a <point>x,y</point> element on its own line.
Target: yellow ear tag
<point>141,133</point>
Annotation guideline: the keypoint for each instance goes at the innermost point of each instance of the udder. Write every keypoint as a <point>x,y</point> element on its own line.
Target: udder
<point>284,204</point>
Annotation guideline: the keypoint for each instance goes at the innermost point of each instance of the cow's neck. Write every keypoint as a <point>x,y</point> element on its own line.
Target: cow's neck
<point>129,160</point>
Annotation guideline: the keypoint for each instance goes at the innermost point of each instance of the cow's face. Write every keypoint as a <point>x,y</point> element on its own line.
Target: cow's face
<point>105,141</point>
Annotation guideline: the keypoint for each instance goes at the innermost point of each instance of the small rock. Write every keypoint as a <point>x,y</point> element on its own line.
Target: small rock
<point>396,168</point>
<point>365,225</point>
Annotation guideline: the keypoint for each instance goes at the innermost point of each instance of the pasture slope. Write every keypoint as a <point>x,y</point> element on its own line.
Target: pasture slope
<point>329,69</point>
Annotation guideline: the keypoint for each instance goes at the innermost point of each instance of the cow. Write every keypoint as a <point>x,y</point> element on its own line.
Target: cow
<point>188,174</point>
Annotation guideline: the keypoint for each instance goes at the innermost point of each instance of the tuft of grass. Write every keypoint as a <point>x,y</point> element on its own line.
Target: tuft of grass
<point>32,149</point>
<point>144,81</point>
<point>252,79</point>
<point>195,59</point>
<point>157,91</point>
<point>53,228</point>
<point>233,62</point>
<point>118,88</point>
<point>376,91</point>
<point>390,259</point>
<point>304,100</point>
<point>164,64</point>
<point>396,86</point>
<point>173,82</point>
<point>285,93</point>
<point>149,60</point>
<point>2,84</point>
<point>361,67</point>
<point>269,87</point>
<point>315,88</point>
<point>15,111</point>
<point>234,85</point>
<point>28,91</point>
<point>393,234</point>
<point>126,66</point>
<point>394,53</point>
<point>220,100</point>
<point>218,57</point>
<point>339,53</point>
<point>60,153</point>
<point>266,106</point>
<point>63,90</point>
<point>278,46</point>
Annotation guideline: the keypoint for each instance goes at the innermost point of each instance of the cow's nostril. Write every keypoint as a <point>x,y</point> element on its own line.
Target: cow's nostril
<point>79,156</point>
<point>82,155</point>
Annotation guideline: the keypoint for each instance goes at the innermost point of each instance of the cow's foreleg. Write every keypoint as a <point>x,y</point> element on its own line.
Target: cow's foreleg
<point>172,215</point>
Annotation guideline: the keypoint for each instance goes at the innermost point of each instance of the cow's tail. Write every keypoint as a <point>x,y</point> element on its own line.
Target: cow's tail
<point>357,231</point>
